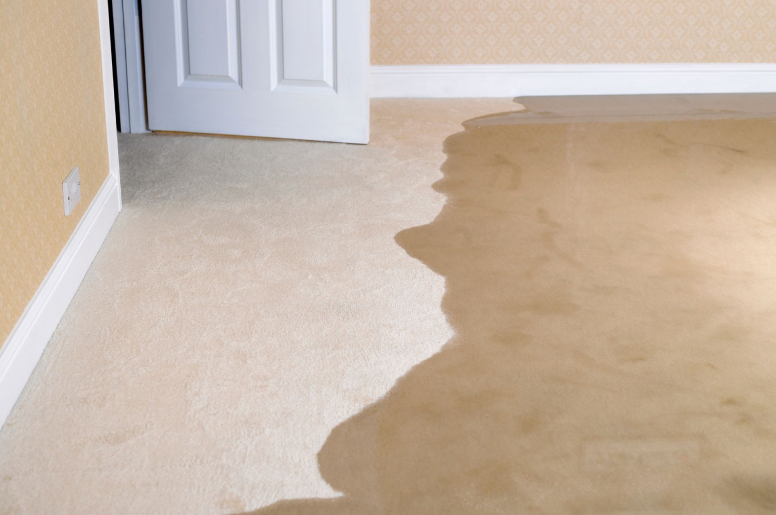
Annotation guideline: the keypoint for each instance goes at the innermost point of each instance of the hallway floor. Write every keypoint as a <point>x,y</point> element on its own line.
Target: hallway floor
<point>578,318</point>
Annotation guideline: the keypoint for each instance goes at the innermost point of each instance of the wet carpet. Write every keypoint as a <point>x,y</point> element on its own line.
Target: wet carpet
<point>610,278</point>
<point>266,326</point>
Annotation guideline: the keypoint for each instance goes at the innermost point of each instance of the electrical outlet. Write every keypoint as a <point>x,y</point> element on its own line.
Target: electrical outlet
<point>71,190</point>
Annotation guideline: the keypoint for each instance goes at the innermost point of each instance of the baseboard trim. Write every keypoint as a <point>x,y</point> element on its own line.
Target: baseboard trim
<point>513,80</point>
<point>25,344</point>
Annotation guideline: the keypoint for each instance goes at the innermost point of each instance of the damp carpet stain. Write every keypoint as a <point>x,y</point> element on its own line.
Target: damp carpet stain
<point>614,332</point>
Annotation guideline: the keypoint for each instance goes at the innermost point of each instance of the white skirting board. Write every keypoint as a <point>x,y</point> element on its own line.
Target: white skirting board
<point>25,344</point>
<point>513,80</point>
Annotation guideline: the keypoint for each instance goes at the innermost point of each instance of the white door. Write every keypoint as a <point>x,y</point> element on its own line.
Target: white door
<point>276,68</point>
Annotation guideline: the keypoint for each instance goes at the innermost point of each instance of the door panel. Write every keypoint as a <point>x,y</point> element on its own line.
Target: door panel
<point>207,43</point>
<point>307,41</point>
<point>276,68</point>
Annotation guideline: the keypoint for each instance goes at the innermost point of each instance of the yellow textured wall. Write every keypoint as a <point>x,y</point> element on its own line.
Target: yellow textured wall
<point>572,31</point>
<point>52,118</point>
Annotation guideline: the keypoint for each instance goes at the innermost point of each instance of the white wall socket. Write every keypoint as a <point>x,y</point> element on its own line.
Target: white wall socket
<point>71,190</point>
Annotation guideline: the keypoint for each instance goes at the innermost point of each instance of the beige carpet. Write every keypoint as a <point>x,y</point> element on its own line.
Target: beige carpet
<point>249,298</point>
<point>252,333</point>
<point>612,288</point>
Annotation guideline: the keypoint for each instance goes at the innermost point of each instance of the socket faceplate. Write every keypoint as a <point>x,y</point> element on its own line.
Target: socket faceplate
<point>71,190</point>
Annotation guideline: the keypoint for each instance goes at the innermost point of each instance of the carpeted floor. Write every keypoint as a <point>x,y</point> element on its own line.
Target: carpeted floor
<point>249,298</point>
<point>252,333</point>
<point>612,290</point>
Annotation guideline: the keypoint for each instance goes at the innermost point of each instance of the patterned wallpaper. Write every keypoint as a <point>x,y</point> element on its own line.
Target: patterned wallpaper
<point>572,31</point>
<point>52,118</point>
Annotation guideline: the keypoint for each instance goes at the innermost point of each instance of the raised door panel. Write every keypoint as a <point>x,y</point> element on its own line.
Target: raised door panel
<point>208,43</point>
<point>305,45</point>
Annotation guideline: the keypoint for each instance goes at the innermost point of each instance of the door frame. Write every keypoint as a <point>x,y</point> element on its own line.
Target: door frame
<point>109,98</point>
<point>130,79</point>
<point>119,63</point>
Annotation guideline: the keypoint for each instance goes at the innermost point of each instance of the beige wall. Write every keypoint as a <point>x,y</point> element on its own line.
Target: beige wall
<point>52,118</point>
<point>572,31</point>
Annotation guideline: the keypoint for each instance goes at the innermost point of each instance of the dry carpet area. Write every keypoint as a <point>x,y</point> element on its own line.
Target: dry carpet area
<point>249,298</point>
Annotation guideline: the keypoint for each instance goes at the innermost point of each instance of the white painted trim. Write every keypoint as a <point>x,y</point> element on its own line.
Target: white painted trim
<point>25,344</point>
<point>513,80</point>
<point>109,100</point>
<point>133,46</point>
<point>121,64</point>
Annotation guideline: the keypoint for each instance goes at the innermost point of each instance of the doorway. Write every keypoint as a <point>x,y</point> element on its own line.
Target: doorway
<point>270,68</point>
